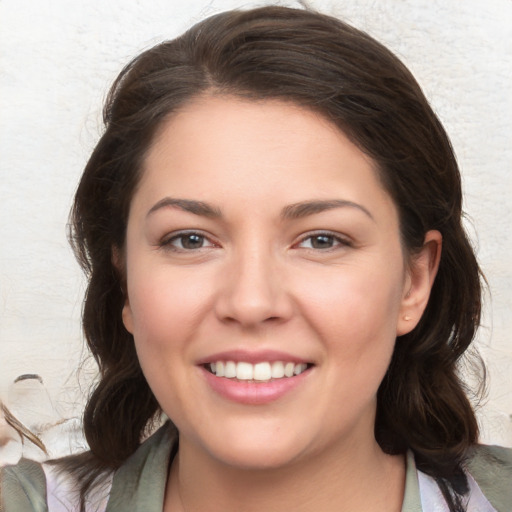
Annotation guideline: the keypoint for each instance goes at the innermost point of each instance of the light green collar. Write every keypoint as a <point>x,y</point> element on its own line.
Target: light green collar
<point>140,483</point>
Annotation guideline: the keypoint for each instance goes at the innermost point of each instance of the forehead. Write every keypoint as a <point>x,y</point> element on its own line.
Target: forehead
<point>235,122</point>
<point>224,149</point>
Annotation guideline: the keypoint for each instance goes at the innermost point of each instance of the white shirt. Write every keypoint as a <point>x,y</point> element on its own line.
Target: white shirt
<point>432,499</point>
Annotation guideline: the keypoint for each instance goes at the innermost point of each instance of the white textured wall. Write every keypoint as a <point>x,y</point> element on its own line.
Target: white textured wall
<point>57,59</point>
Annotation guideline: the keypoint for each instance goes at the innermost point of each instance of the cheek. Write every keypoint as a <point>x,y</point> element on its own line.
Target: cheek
<point>165,308</point>
<point>355,315</point>
<point>166,312</point>
<point>355,312</point>
<point>354,298</point>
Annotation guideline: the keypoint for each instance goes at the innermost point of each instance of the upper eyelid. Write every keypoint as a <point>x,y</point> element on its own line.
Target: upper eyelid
<point>177,234</point>
<point>335,235</point>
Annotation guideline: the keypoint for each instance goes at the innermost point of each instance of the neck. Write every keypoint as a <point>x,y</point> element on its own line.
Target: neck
<point>356,478</point>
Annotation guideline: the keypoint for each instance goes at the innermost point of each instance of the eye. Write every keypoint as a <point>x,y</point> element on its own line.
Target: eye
<point>323,241</point>
<point>187,241</point>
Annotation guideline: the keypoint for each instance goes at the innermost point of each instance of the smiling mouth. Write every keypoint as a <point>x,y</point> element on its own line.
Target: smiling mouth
<point>259,372</point>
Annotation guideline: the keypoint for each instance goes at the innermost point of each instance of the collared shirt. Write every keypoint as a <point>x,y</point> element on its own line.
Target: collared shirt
<point>139,484</point>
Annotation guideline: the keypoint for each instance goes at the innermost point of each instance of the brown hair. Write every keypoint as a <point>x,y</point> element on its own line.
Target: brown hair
<point>323,64</point>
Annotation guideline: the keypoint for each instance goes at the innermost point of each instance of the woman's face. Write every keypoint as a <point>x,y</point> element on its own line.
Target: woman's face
<point>260,241</point>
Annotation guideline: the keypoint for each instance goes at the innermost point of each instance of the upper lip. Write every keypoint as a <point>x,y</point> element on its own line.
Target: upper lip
<point>252,357</point>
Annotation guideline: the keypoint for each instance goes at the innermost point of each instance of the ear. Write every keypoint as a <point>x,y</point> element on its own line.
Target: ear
<point>127,316</point>
<point>118,261</point>
<point>419,281</point>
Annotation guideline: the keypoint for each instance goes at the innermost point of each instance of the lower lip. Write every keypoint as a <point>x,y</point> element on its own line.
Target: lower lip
<point>254,393</point>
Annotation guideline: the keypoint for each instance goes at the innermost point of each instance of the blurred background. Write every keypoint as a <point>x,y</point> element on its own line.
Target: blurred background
<point>57,60</point>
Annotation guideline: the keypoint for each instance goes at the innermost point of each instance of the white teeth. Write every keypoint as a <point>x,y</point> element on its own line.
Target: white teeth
<point>219,369</point>
<point>299,368</point>
<point>230,370</point>
<point>277,370</point>
<point>244,371</point>
<point>261,372</point>
<point>288,369</point>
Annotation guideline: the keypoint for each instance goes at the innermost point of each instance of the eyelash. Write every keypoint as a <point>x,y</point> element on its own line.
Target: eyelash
<point>167,243</point>
<point>333,238</point>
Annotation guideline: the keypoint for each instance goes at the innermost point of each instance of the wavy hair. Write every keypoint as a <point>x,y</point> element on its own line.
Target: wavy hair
<point>323,64</point>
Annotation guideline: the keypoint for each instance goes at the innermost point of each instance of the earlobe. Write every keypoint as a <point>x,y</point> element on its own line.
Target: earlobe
<point>418,284</point>
<point>118,262</point>
<point>127,317</point>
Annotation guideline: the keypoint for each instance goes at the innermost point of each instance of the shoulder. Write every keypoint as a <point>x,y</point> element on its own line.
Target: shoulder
<point>31,486</point>
<point>491,467</point>
<point>23,487</point>
<point>53,487</point>
<point>491,454</point>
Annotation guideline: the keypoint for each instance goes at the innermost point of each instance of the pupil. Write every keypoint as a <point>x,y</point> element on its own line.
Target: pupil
<point>192,241</point>
<point>322,241</point>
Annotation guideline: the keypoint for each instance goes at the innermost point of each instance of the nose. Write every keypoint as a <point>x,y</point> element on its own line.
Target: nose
<point>253,290</point>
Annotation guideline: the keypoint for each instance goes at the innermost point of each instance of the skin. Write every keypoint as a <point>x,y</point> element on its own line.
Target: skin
<point>261,281</point>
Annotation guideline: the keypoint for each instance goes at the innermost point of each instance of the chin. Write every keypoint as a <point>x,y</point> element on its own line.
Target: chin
<point>258,452</point>
<point>256,459</point>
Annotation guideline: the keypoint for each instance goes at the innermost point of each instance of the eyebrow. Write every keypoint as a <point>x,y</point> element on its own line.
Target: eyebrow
<point>303,209</point>
<point>289,212</point>
<point>188,205</point>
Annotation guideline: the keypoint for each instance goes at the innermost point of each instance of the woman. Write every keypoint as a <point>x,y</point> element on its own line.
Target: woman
<point>271,227</point>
